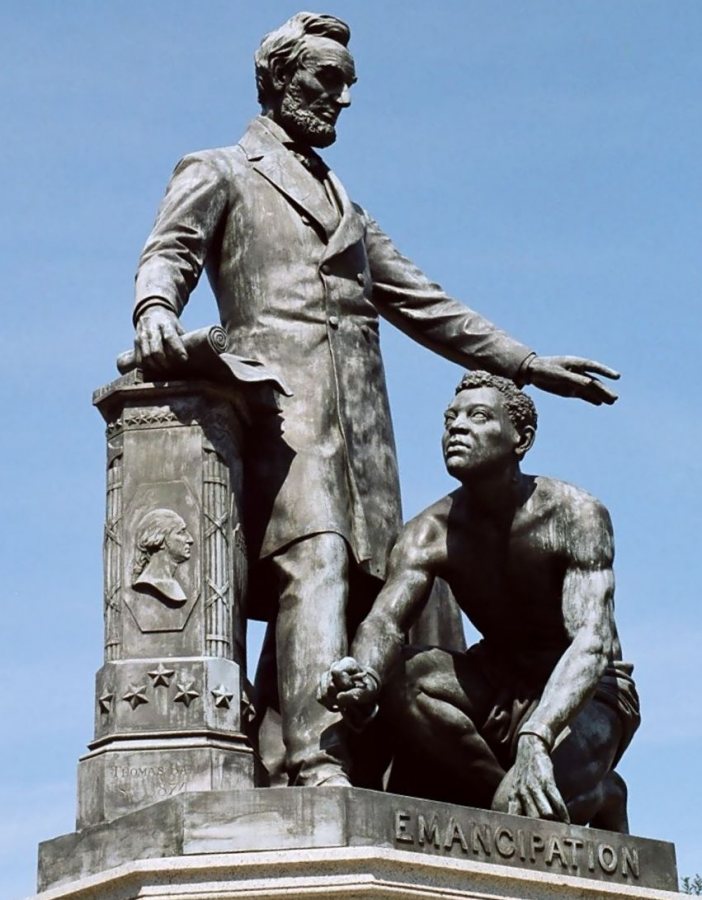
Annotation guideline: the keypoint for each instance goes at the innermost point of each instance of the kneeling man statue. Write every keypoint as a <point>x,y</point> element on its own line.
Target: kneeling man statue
<point>533,719</point>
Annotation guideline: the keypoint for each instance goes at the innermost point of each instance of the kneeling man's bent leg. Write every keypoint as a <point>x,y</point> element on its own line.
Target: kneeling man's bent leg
<point>432,701</point>
<point>583,763</point>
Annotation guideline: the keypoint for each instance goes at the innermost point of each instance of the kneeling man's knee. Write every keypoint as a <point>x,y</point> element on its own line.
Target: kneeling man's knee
<point>421,671</point>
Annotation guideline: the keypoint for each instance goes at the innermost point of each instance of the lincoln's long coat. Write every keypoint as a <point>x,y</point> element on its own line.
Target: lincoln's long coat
<point>300,286</point>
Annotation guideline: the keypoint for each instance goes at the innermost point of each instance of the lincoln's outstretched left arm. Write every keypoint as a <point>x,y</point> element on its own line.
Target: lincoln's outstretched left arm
<point>406,297</point>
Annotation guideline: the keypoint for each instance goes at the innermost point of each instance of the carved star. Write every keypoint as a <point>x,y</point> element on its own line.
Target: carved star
<point>185,692</point>
<point>223,697</point>
<point>105,700</point>
<point>161,675</point>
<point>135,695</point>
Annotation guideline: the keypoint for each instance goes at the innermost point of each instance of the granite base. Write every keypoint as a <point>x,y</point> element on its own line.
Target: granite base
<point>345,842</point>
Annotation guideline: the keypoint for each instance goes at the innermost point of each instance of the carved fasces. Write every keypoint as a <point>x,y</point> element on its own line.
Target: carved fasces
<point>217,527</point>
<point>175,555</point>
<point>169,696</point>
<point>113,556</point>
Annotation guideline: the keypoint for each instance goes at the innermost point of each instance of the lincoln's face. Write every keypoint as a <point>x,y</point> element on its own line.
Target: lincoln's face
<point>316,92</point>
<point>479,436</point>
<point>178,542</point>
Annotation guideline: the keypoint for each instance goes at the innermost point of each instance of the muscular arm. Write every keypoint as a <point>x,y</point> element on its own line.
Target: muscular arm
<point>588,591</point>
<point>351,684</point>
<point>410,577</point>
<point>529,788</point>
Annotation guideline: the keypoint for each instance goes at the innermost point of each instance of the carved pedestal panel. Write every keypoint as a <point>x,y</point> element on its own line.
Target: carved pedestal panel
<point>169,698</point>
<point>347,843</point>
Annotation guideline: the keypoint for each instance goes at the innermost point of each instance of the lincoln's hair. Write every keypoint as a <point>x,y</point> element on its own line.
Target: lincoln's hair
<point>151,535</point>
<point>286,44</point>
<point>520,407</point>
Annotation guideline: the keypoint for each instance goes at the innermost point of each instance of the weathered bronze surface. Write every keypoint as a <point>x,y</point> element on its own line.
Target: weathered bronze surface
<point>251,472</point>
<point>533,719</point>
<point>301,275</point>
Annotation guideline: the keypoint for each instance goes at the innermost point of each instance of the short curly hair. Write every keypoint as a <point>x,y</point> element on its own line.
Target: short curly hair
<point>287,43</point>
<point>520,407</point>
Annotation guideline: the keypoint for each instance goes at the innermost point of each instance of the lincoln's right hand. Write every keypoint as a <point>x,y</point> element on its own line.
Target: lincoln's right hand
<point>157,341</point>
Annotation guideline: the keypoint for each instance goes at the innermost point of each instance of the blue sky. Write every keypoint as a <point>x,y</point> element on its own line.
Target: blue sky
<point>540,159</point>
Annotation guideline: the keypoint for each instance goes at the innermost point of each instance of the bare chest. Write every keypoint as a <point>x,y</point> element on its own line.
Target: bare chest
<point>508,581</point>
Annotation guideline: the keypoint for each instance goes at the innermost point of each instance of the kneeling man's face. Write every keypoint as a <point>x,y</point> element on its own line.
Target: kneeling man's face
<point>479,436</point>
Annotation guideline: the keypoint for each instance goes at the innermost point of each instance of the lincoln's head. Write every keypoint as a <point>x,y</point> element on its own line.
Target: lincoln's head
<point>304,73</point>
<point>489,425</point>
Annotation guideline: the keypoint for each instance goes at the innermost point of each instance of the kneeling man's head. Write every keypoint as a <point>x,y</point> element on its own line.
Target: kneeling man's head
<point>488,427</point>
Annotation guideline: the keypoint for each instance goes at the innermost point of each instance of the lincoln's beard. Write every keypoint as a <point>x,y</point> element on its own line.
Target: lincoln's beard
<point>302,123</point>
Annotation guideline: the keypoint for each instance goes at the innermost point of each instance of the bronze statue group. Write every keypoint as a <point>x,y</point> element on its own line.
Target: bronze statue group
<point>534,718</point>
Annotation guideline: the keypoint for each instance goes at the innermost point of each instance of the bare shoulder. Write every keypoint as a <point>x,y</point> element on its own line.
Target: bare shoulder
<point>583,526</point>
<point>422,541</point>
<point>574,502</point>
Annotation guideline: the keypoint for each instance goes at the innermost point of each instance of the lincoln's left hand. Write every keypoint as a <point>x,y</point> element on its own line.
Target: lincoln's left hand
<point>529,787</point>
<point>571,376</point>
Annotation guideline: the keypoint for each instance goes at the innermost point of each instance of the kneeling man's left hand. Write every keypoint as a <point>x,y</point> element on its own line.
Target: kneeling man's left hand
<point>529,787</point>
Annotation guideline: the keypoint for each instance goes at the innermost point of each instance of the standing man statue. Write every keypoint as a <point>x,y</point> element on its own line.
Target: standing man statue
<point>301,275</point>
<point>533,719</point>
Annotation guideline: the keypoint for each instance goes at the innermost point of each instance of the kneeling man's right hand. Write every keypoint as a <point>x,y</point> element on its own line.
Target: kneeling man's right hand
<point>352,690</point>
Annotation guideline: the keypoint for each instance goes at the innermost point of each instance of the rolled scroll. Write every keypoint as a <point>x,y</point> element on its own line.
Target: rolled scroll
<point>207,358</point>
<point>204,341</point>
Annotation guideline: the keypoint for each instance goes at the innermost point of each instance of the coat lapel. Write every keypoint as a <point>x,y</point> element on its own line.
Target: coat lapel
<point>350,228</point>
<point>285,172</point>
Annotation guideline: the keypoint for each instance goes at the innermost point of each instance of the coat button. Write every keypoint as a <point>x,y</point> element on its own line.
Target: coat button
<point>333,321</point>
<point>305,220</point>
<point>361,278</point>
<point>325,268</point>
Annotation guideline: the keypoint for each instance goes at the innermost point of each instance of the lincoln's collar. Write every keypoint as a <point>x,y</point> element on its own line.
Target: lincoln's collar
<point>274,129</point>
<point>264,136</point>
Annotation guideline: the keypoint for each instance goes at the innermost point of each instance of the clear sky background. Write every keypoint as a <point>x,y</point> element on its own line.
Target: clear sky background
<point>540,159</point>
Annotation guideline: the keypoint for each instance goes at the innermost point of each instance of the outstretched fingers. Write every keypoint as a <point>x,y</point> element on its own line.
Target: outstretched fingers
<point>580,375</point>
<point>573,376</point>
<point>538,802</point>
<point>591,389</point>
<point>585,366</point>
<point>556,804</point>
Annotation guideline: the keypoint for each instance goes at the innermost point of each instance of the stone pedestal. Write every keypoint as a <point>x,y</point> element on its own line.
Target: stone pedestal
<point>170,697</point>
<point>349,874</point>
<point>168,805</point>
<point>350,843</point>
